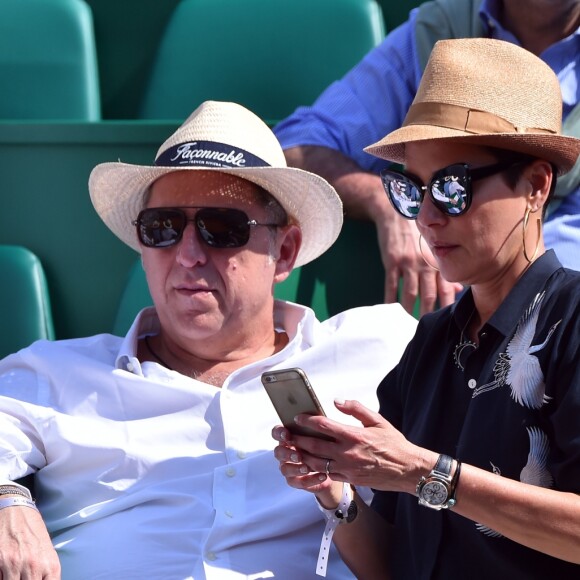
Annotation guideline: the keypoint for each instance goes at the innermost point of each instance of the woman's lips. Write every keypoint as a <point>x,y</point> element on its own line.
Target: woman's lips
<point>441,250</point>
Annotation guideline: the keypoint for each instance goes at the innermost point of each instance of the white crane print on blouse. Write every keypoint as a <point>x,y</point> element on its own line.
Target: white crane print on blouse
<point>535,472</point>
<point>518,367</point>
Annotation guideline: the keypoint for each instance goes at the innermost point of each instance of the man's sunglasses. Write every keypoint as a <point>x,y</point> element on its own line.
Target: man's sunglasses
<point>449,189</point>
<point>162,227</point>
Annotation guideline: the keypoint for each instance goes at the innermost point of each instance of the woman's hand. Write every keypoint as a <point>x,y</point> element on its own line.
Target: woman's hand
<point>374,455</point>
<point>299,475</point>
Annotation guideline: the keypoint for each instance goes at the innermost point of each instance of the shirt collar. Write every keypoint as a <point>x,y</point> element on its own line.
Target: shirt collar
<point>294,319</point>
<point>508,314</point>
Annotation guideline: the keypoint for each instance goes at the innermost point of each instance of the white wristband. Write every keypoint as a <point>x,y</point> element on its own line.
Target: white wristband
<point>17,501</point>
<point>339,515</point>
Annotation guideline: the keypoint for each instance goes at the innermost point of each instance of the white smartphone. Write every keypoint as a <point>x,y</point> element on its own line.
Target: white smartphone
<point>292,394</point>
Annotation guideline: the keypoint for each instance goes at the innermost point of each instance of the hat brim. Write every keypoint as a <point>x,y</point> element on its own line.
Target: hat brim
<point>118,192</point>
<point>561,150</point>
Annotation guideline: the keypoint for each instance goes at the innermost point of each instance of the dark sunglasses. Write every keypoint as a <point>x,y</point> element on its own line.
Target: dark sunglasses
<point>449,189</point>
<point>162,227</point>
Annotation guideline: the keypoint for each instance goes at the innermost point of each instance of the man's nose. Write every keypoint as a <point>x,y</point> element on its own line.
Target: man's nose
<point>191,249</point>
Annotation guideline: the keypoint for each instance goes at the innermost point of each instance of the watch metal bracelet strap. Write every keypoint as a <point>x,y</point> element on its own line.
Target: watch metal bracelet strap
<point>344,513</point>
<point>14,490</point>
<point>17,502</point>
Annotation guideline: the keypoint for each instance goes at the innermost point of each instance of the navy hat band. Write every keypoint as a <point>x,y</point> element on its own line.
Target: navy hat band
<point>208,154</point>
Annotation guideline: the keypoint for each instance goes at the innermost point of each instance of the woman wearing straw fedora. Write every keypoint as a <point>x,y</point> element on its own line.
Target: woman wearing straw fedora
<point>475,454</point>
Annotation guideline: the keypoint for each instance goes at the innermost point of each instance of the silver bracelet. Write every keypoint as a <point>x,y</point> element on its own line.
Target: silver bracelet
<point>17,502</point>
<point>14,490</point>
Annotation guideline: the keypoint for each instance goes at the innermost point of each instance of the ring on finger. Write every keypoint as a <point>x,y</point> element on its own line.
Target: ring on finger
<point>327,469</point>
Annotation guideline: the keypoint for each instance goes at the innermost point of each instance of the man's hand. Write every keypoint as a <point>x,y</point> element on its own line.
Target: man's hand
<point>26,551</point>
<point>363,197</point>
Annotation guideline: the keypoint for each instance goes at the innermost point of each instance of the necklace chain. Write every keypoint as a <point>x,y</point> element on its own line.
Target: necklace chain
<point>150,349</point>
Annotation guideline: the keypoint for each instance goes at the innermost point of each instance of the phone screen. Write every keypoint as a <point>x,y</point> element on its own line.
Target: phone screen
<point>292,394</point>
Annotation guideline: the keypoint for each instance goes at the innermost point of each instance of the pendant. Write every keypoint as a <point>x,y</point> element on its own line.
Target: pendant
<point>459,349</point>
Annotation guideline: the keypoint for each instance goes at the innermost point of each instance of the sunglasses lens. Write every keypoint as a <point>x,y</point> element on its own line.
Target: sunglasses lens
<point>160,228</point>
<point>450,190</point>
<point>403,193</point>
<point>223,228</point>
<point>218,227</point>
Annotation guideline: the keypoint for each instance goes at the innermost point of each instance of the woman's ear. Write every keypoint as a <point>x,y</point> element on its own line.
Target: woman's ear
<point>539,175</point>
<point>289,242</point>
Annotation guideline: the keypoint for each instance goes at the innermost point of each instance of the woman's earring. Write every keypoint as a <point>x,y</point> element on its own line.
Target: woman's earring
<point>526,218</point>
<point>423,255</point>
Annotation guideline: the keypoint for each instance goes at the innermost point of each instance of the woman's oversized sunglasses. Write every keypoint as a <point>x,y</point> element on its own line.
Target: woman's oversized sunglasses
<point>162,227</point>
<point>450,188</point>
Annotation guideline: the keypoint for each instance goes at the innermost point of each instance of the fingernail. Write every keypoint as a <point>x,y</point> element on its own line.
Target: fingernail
<point>321,477</point>
<point>339,401</point>
<point>304,469</point>
<point>294,457</point>
<point>283,436</point>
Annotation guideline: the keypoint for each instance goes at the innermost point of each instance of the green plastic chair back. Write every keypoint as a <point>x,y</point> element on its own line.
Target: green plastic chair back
<point>48,62</point>
<point>270,56</point>
<point>134,298</point>
<point>24,299</point>
<point>395,12</point>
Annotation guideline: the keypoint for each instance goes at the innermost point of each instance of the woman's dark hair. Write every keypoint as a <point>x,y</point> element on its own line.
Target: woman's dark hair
<point>521,161</point>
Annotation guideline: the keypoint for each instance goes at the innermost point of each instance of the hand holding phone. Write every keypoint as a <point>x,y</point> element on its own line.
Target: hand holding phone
<point>292,394</point>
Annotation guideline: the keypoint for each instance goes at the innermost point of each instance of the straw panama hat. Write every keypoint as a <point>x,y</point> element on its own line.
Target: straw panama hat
<point>227,138</point>
<point>485,92</point>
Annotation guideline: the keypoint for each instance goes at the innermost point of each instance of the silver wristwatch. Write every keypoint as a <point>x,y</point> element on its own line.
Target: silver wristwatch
<point>437,490</point>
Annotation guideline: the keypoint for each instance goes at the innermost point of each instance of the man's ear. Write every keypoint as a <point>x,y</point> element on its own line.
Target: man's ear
<point>539,176</point>
<point>288,246</point>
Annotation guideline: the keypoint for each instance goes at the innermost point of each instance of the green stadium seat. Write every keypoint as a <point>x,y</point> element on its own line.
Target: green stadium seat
<point>24,300</point>
<point>395,12</point>
<point>48,62</point>
<point>268,55</point>
<point>134,298</point>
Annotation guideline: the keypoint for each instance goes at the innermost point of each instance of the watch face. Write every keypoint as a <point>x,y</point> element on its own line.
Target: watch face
<point>434,493</point>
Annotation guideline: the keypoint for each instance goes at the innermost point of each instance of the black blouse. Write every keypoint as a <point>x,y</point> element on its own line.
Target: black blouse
<point>510,406</point>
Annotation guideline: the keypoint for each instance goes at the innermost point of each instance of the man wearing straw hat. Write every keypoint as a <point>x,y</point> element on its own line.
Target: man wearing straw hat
<point>152,454</point>
<point>475,454</point>
<point>373,98</point>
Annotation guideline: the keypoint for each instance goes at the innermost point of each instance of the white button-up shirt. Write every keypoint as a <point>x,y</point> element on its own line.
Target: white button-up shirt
<point>145,473</point>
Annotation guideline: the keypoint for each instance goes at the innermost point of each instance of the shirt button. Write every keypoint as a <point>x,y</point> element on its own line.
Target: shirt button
<point>230,472</point>
<point>472,383</point>
<point>241,454</point>
<point>211,556</point>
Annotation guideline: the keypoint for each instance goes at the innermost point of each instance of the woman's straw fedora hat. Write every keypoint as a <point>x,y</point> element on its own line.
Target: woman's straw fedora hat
<point>227,138</point>
<point>486,92</point>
